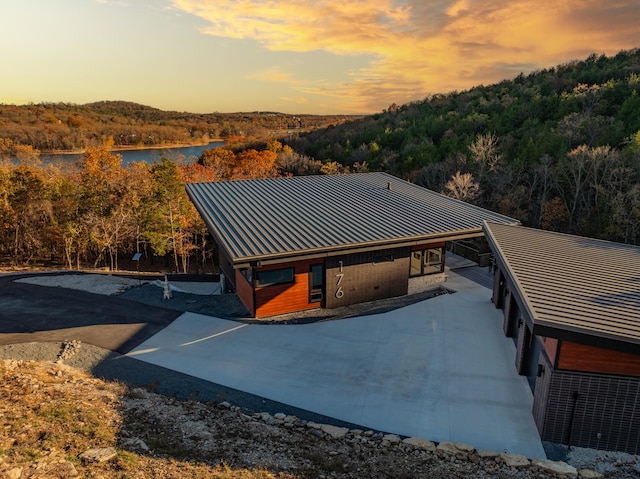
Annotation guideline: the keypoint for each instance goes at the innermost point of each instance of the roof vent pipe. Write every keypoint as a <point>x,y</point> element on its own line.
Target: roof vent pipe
<point>389,186</point>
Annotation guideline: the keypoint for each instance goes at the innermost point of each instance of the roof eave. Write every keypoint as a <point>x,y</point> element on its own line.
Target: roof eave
<point>327,251</point>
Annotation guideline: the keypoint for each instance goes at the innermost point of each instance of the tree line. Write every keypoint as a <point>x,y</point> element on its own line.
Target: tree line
<point>557,149</point>
<point>51,127</point>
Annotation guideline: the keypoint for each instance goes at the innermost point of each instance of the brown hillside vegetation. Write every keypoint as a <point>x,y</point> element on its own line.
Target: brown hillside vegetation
<point>54,416</point>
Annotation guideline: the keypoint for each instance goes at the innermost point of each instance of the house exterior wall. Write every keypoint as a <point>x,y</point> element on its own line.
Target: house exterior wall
<point>285,298</point>
<point>227,268</point>
<point>590,410</point>
<point>498,288</point>
<point>575,402</point>
<point>361,277</point>
<point>244,290</point>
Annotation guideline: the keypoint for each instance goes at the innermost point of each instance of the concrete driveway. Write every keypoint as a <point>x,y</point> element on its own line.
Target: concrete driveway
<point>439,369</point>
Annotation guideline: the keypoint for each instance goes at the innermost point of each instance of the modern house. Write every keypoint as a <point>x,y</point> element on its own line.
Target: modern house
<point>290,244</point>
<point>572,307</point>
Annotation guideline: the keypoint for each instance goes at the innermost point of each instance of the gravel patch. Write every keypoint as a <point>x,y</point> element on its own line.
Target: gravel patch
<point>92,283</point>
<point>220,306</point>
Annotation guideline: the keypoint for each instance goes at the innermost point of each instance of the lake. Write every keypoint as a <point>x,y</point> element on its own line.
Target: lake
<point>187,154</point>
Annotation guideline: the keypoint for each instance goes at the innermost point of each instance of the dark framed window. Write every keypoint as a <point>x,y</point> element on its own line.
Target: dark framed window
<point>316,283</point>
<point>274,276</point>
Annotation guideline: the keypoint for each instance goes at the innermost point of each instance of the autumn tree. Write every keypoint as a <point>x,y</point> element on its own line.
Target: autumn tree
<point>462,187</point>
<point>105,206</point>
<point>251,164</point>
<point>169,227</point>
<point>219,160</point>
<point>29,213</point>
<point>289,162</point>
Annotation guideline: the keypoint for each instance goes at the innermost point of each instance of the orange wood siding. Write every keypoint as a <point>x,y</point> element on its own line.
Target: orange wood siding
<point>578,357</point>
<point>244,290</point>
<point>550,346</point>
<point>286,298</point>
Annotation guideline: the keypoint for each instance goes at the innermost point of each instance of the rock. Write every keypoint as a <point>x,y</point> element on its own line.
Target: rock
<point>225,405</point>
<point>558,468</point>
<point>393,438</point>
<point>101,454</point>
<point>589,474</point>
<point>486,454</point>
<point>465,447</point>
<point>334,431</point>
<point>313,425</point>
<point>515,460</point>
<point>447,448</point>
<point>14,473</point>
<point>136,444</point>
<point>280,416</point>
<point>66,469</point>
<point>420,443</point>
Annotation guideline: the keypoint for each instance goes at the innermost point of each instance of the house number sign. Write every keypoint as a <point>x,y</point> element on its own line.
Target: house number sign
<point>340,276</point>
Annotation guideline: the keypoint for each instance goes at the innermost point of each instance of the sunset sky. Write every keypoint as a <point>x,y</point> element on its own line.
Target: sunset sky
<point>305,56</point>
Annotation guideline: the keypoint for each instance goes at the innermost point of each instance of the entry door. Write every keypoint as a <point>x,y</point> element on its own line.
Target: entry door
<point>316,283</point>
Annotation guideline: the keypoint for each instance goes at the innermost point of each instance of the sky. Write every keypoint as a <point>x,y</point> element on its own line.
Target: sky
<point>305,56</point>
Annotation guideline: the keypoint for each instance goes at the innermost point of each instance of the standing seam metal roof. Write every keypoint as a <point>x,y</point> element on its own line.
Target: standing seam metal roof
<point>573,283</point>
<point>259,219</point>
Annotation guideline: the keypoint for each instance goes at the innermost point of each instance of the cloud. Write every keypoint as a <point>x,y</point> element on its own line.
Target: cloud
<point>423,46</point>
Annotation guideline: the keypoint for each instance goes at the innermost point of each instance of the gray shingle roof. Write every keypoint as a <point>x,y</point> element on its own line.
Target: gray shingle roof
<point>280,217</point>
<point>571,283</point>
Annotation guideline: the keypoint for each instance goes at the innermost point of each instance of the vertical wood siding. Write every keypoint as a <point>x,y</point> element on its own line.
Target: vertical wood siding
<point>364,280</point>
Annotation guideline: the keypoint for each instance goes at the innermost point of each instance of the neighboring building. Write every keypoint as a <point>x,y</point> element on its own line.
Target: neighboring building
<point>572,307</point>
<point>290,244</point>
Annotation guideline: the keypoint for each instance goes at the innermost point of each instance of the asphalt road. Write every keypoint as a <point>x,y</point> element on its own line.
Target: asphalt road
<point>31,313</point>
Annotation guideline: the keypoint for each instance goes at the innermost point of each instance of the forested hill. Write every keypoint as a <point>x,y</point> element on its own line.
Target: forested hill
<point>69,127</point>
<point>558,148</point>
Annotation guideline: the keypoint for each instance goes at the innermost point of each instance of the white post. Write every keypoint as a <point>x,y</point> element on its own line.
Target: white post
<point>167,288</point>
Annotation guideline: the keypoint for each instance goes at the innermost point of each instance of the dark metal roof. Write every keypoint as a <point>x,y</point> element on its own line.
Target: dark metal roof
<point>284,217</point>
<point>571,283</point>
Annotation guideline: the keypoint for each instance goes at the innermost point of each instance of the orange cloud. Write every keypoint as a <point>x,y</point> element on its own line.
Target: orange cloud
<point>421,47</point>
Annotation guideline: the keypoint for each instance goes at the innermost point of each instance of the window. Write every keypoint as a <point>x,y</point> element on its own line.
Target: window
<point>427,261</point>
<point>316,283</point>
<point>274,276</point>
<point>432,261</point>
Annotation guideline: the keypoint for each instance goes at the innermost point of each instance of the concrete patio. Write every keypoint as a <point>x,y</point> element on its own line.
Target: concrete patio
<point>439,369</point>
